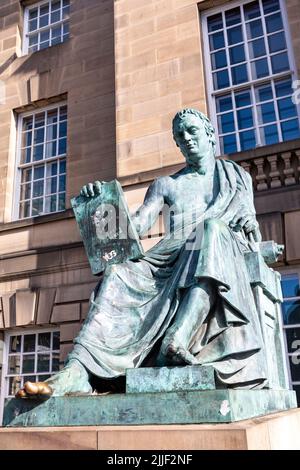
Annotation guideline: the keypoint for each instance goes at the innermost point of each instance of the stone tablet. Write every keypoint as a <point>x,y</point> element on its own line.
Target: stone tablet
<point>108,233</point>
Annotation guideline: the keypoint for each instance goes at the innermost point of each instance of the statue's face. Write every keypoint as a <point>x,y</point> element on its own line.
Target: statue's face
<point>191,138</point>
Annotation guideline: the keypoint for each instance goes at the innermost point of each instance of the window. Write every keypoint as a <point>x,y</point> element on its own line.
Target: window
<point>41,153</point>
<point>46,24</point>
<point>249,68</point>
<point>32,356</point>
<point>291,325</point>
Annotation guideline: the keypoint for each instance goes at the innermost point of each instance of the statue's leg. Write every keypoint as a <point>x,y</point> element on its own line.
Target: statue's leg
<point>72,379</point>
<point>192,312</point>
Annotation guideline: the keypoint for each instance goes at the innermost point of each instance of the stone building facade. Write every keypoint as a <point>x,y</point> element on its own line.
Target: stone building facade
<point>88,89</point>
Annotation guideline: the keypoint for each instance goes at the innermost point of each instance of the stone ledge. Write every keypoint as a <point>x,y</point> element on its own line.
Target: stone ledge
<point>280,431</point>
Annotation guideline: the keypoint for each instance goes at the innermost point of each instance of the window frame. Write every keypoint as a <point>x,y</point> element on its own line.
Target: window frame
<point>4,374</point>
<point>208,72</point>
<point>289,272</point>
<point>26,33</point>
<point>19,166</point>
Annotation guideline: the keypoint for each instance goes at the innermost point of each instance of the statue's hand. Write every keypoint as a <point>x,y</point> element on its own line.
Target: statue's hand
<point>91,189</point>
<point>248,224</point>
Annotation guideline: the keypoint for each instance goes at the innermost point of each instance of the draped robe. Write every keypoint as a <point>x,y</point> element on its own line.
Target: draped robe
<point>136,302</point>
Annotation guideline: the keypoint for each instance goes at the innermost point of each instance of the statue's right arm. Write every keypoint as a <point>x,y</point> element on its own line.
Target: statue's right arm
<point>153,203</point>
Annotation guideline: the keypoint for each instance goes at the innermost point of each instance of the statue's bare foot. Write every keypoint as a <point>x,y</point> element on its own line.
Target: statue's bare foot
<point>73,379</point>
<point>174,351</point>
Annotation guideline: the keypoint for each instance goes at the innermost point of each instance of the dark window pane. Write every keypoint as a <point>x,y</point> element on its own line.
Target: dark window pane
<point>29,343</point>
<point>269,134</point>
<point>61,202</point>
<point>254,29</point>
<point>260,68</point>
<point>55,362</point>
<point>239,74</point>
<point>247,140</point>
<point>44,21</point>
<point>26,155</point>
<point>38,172</point>
<point>26,139</point>
<point>274,23</point>
<point>221,79</point>
<point>39,136</point>
<point>14,385</point>
<point>43,377</point>
<point>50,204</point>
<point>277,42</point>
<point>52,169</point>
<point>226,123</point>
<point>28,364</point>
<point>62,183</point>
<point>63,113</point>
<point>56,340</point>
<point>43,363</point>
<point>25,191</point>
<point>62,146</point>
<point>51,185</point>
<point>224,103</point>
<point>44,342</point>
<point>26,175</point>
<point>270,5</point>
<point>52,116</point>
<point>32,25</point>
<point>38,152</point>
<point>37,206</point>
<point>235,35</point>
<point>44,36</point>
<point>62,166</point>
<point>283,88</point>
<point>33,13</point>
<point>39,120</point>
<point>44,10</point>
<point>293,339</point>
<point>15,344</point>
<point>14,365</point>
<point>257,48</point>
<point>264,93</point>
<point>27,123</point>
<point>38,188</point>
<point>286,108</point>
<point>52,132</point>
<point>280,62</point>
<point>33,40</point>
<point>290,130</point>
<point>290,285</point>
<point>24,210</point>
<point>295,367</point>
<point>266,113</point>
<point>216,41</point>
<point>233,16</point>
<point>237,54</point>
<point>55,16</point>
<point>228,144</point>
<point>51,149</point>
<point>251,10</point>
<point>243,99</point>
<point>291,312</point>
<point>63,125</point>
<point>218,61</point>
<point>245,119</point>
<point>215,22</point>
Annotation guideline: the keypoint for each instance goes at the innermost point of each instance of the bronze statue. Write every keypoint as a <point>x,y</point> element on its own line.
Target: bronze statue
<point>188,300</point>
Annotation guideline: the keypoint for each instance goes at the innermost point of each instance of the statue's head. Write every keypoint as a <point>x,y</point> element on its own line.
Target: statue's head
<point>194,135</point>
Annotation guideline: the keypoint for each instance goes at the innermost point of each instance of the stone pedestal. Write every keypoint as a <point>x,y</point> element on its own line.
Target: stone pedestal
<point>280,431</point>
<point>185,407</point>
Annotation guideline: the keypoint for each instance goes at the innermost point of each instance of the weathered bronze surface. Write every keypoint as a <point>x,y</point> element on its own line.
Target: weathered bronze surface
<point>189,299</point>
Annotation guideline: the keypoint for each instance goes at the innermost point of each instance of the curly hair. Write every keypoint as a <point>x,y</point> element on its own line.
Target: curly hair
<point>209,129</point>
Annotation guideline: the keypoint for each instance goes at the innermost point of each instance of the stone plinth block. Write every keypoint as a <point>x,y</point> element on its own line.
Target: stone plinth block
<point>187,407</point>
<point>280,431</point>
<point>169,379</point>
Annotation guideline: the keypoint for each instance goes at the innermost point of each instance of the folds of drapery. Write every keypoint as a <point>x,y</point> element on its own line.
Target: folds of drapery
<point>137,300</point>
